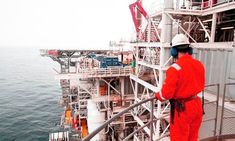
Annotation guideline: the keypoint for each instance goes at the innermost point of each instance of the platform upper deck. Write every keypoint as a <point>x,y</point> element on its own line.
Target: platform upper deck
<point>200,8</point>
<point>96,73</point>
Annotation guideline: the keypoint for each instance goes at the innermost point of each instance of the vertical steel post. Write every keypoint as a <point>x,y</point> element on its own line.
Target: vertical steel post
<point>205,64</point>
<point>79,108</point>
<point>98,87</point>
<point>151,120</point>
<point>222,112</point>
<point>149,31</point>
<point>136,72</point>
<point>213,27</point>
<point>122,89</point>
<point>211,67</point>
<point>202,4</point>
<point>200,55</point>
<point>165,38</point>
<point>108,111</point>
<point>217,106</point>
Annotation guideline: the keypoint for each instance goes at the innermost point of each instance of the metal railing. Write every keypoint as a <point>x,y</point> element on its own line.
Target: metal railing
<point>217,121</point>
<point>99,72</point>
<point>204,4</point>
<point>223,106</point>
<point>220,121</point>
<point>152,99</point>
<point>217,105</point>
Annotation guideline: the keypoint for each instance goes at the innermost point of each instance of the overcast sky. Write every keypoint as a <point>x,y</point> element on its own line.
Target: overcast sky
<point>64,23</point>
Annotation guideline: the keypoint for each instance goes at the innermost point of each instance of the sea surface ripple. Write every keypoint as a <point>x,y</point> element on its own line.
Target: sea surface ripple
<point>29,95</point>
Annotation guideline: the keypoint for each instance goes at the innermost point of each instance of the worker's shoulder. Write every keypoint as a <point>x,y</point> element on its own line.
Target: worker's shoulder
<point>197,62</point>
<point>175,66</point>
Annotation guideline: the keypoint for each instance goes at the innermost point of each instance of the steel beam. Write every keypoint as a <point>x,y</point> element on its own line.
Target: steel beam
<point>140,122</point>
<point>218,8</point>
<point>207,34</point>
<point>142,82</point>
<point>146,44</point>
<point>215,45</point>
<point>157,67</point>
<point>213,27</point>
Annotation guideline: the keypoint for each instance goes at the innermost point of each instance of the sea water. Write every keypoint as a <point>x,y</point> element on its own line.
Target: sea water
<point>29,95</point>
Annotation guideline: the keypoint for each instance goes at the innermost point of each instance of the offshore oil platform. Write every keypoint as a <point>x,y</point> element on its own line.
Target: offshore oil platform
<point>107,94</point>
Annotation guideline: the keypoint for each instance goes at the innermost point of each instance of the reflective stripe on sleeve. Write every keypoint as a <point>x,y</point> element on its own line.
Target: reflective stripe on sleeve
<point>176,66</point>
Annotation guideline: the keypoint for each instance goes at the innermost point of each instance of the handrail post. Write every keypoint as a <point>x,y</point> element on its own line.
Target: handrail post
<point>222,112</point>
<point>151,120</point>
<point>217,106</point>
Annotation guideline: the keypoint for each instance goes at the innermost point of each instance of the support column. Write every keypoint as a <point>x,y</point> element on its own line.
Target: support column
<point>98,87</point>
<point>122,89</point>
<point>213,27</point>
<point>166,37</point>
<point>136,71</point>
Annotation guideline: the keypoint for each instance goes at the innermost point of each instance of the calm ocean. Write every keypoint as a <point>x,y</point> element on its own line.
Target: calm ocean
<point>29,95</point>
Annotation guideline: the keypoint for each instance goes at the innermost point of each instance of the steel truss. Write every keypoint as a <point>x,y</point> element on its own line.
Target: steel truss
<point>152,56</point>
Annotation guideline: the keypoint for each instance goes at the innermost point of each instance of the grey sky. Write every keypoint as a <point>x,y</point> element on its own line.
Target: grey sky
<point>64,23</point>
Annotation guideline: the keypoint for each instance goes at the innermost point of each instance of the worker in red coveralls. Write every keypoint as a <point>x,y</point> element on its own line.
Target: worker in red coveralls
<point>184,80</point>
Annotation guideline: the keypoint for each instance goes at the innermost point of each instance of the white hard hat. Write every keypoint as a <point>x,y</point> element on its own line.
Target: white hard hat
<point>180,39</point>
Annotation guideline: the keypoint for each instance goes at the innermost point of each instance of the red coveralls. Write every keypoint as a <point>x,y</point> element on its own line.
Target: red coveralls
<point>185,78</point>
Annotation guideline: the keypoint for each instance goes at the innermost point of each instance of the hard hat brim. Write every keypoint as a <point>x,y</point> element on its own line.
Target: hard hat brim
<point>181,46</point>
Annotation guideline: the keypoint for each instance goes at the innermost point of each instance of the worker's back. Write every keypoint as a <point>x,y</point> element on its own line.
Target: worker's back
<point>191,77</point>
<point>184,80</point>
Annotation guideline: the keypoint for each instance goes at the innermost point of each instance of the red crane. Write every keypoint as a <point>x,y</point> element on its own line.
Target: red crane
<point>137,5</point>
